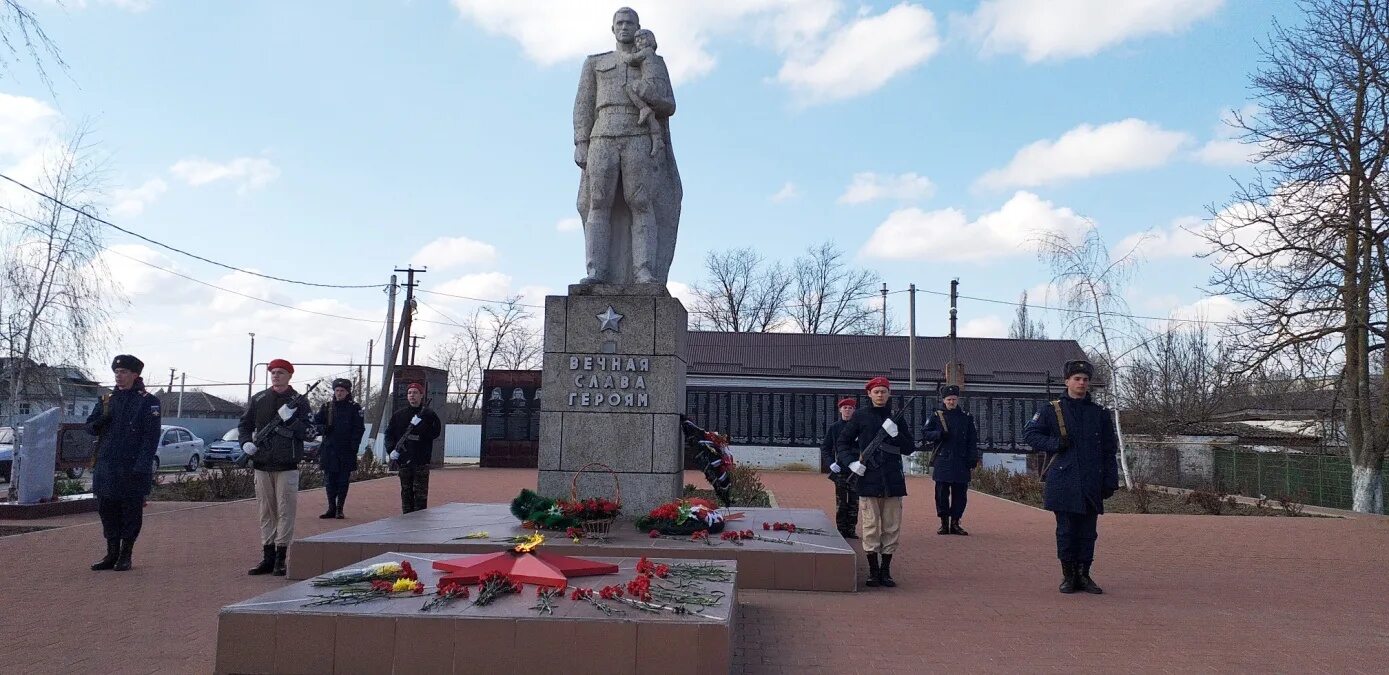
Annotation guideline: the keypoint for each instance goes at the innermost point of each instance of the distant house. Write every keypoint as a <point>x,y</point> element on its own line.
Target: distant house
<point>197,404</point>
<point>67,388</point>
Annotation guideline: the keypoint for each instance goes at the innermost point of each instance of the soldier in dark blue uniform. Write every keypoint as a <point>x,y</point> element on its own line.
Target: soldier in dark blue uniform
<point>957,453</point>
<point>880,482</point>
<point>126,424</point>
<point>1081,471</point>
<point>845,499</point>
<point>341,424</point>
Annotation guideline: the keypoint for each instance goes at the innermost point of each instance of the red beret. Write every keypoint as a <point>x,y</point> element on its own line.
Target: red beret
<point>281,363</point>
<point>847,401</point>
<point>416,385</point>
<point>879,381</point>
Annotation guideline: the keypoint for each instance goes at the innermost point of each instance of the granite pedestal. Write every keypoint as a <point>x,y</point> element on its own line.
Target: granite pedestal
<point>277,633</point>
<point>810,563</point>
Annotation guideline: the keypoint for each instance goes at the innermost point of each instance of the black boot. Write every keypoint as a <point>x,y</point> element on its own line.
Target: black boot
<point>885,575</point>
<point>337,513</point>
<point>281,553</point>
<point>1084,582</point>
<point>873,571</point>
<point>113,551</point>
<point>944,525</point>
<point>955,527</point>
<point>1068,578</point>
<point>267,561</point>
<point>332,512</point>
<point>123,562</point>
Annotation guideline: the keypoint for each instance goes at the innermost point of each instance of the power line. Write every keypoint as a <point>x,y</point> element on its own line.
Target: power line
<point>180,251</point>
<point>1082,311</point>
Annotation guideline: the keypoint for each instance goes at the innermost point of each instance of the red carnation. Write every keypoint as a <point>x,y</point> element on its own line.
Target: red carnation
<point>766,526</point>
<point>654,534</point>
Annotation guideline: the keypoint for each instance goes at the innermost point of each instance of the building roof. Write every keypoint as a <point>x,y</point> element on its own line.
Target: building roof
<point>860,357</point>
<point>196,402</point>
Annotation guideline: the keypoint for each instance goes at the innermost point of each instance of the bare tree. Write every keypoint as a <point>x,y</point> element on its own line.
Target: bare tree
<point>1303,245</point>
<point>1091,282</point>
<point>743,294</point>
<point>830,297</point>
<point>1023,327</point>
<point>22,36</point>
<point>57,294</point>
<point>501,336</point>
<point>1180,375</point>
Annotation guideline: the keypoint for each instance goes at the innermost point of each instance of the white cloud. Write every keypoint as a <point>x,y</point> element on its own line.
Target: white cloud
<point>862,56</point>
<point>787,192</point>
<point>569,224</point>
<point>948,235</point>
<point>25,126</point>
<point>246,284</point>
<point>1177,240</point>
<point>447,252</point>
<point>128,202</point>
<point>869,186</point>
<point>483,286</point>
<point>1212,308</point>
<point>131,277</point>
<point>248,172</point>
<point>1060,29</point>
<point>984,326</point>
<point>825,59</point>
<point>1225,148</point>
<point>683,292</point>
<point>1085,151</point>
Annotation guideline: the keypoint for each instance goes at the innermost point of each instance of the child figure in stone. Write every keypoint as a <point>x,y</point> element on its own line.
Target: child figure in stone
<point>645,42</point>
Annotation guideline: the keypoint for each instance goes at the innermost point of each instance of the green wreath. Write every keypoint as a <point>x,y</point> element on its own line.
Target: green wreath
<point>543,511</point>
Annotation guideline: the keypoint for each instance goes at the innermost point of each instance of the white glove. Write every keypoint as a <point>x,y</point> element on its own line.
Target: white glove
<point>834,467</point>
<point>248,448</point>
<point>395,455</point>
<point>286,412</point>
<point>891,427</point>
<point>858,468</point>
<point>414,420</point>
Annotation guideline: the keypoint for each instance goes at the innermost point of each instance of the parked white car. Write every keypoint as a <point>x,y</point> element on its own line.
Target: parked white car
<point>179,448</point>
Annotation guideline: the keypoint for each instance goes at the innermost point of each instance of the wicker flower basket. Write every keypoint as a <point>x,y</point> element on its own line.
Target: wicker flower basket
<point>596,528</point>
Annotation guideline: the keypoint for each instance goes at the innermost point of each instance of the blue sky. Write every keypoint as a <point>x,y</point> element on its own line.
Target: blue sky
<point>928,139</point>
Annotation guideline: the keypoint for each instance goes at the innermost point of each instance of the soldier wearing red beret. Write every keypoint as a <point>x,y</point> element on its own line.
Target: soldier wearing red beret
<point>275,459</point>
<point>872,444</point>
<point>845,499</point>
<point>410,435</point>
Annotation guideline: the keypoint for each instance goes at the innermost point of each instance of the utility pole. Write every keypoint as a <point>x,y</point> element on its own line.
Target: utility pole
<point>182,384</point>
<point>911,340</point>
<point>414,347</point>
<point>387,355</point>
<point>396,343</point>
<point>171,381</point>
<point>952,375</point>
<point>884,308</point>
<point>366,393</point>
<point>251,370</point>
<point>406,358</point>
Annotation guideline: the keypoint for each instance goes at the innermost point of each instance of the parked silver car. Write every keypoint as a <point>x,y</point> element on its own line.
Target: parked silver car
<point>6,452</point>
<point>178,447</point>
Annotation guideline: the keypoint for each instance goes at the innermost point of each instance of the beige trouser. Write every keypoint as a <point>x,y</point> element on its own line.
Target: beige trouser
<point>882,521</point>
<point>277,494</point>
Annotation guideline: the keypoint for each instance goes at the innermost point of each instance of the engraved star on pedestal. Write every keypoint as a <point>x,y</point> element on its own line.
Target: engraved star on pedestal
<point>609,320</point>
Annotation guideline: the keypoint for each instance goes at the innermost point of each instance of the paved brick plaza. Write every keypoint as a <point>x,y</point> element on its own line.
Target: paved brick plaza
<point>1183,593</point>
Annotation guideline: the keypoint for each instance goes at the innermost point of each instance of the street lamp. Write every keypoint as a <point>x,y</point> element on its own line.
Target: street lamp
<point>251,371</point>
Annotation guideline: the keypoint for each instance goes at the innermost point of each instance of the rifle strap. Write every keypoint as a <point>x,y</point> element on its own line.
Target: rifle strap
<point>940,414</point>
<point>1060,419</point>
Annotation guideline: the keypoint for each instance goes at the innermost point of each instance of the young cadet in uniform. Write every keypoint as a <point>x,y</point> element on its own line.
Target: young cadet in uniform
<point>126,424</point>
<point>341,423</point>
<point>276,462</point>
<point>417,426</point>
<point>845,499</point>
<point>1081,471</point>
<point>880,483</point>
<point>957,453</point>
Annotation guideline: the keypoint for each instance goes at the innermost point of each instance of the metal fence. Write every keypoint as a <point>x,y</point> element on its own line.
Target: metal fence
<point>1309,478</point>
<point>800,417</point>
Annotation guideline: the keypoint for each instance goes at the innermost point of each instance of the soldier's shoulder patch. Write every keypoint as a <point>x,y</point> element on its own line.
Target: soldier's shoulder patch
<point>1036,416</point>
<point>154,410</point>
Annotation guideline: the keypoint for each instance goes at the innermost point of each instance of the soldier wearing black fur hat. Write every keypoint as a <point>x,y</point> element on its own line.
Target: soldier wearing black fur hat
<point>1081,471</point>
<point>341,424</point>
<point>956,440</point>
<point>126,424</point>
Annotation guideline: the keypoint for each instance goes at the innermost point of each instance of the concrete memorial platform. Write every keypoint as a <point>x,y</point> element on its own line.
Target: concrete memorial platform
<point>277,633</point>
<point>811,563</point>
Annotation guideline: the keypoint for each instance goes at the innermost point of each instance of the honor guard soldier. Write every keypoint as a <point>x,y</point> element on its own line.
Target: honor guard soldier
<point>126,424</point>
<point>341,424</point>
<point>273,430</point>
<point>871,445</point>
<point>410,435</point>
<point>956,440</point>
<point>845,499</point>
<point>1081,471</point>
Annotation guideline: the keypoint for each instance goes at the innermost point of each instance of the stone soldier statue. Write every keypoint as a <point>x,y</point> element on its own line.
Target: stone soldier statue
<point>629,195</point>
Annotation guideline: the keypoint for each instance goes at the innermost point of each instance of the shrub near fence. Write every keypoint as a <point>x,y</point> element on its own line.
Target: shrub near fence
<point>1310,478</point>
